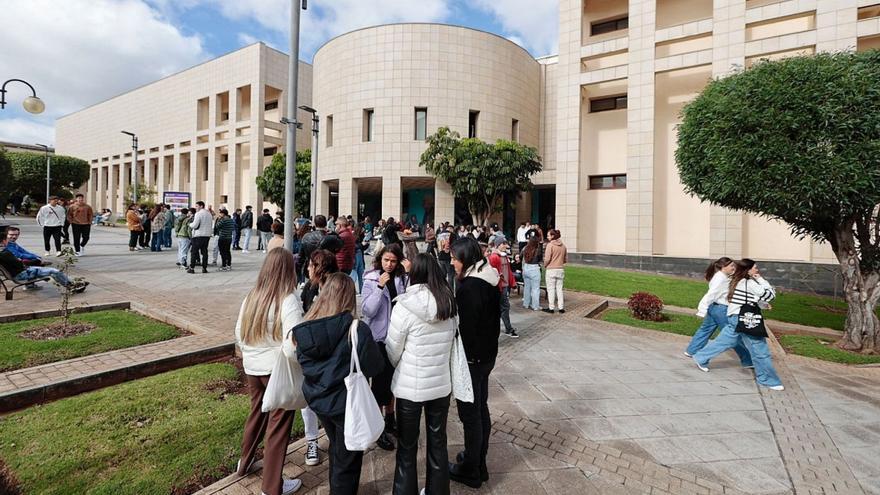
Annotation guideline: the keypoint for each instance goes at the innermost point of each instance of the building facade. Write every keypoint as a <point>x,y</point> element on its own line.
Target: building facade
<point>602,114</point>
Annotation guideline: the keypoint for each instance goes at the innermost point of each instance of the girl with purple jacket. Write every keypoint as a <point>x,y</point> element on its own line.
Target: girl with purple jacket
<point>382,285</point>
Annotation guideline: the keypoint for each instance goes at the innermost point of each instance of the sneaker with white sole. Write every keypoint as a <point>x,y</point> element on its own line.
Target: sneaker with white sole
<point>245,251</point>
<point>702,368</point>
<point>47,253</point>
<point>313,458</point>
<point>778,388</point>
<point>59,254</point>
<point>290,486</point>
<point>686,353</point>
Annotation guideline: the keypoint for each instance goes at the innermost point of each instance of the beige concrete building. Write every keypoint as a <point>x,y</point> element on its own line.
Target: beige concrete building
<point>602,113</point>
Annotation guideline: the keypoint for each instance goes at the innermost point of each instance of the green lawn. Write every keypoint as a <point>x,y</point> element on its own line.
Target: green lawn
<point>677,323</point>
<point>169,433</point>
<point>790,307</point>
<point>116,329</point>
<point>819,348</point>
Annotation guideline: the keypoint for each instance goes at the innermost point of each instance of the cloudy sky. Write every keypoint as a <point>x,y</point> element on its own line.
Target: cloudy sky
<point>79,52</point>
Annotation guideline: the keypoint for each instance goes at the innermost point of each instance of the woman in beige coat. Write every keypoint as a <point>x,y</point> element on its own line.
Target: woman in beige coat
<point>554,263</point>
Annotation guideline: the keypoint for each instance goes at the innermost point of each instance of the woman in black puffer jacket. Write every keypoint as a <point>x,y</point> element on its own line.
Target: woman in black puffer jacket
<point>479,312</point>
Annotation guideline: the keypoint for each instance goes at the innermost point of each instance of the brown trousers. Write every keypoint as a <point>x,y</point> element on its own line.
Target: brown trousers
<point>275,427</point>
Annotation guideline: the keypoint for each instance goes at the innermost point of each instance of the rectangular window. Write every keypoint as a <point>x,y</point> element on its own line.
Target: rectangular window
<point>473,120</point>
<point>329,131</point>
<point>368,124</point>
<point>609,26</point>
<point>609,103</point>
<point>270,151</point>
<point>205,169</point>
<point>271,105</point>
<point>514,130</point>
<point>421,124</point>
<point>869,11</point>
<point>615,181</point>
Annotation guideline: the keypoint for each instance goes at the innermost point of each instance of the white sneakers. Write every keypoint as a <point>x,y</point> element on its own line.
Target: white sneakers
<point>778,388</point>
<point>47,253</point>
<point>290,486</point>
<point>702,368</point>
<point>59,254</point>
<point>245,251</point>
<point>686,353</point>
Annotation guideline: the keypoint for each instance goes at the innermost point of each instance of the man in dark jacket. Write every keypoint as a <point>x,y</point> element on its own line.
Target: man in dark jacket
<point>236,234</point>
<point>320,238</point>
<point>345,256</point>
<point>324,352</point>
<point>264,226</point>
<point>247,225</point>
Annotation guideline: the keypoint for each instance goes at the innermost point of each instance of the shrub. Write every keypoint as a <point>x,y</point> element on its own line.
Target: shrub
<point>645,306</point>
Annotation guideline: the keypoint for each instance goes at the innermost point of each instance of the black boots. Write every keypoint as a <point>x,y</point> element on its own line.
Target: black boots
<point>465,475</point>
<point>484,471</point>
<point>386,439</point>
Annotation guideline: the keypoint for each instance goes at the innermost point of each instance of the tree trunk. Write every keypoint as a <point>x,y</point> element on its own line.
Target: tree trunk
<point>862,291</point>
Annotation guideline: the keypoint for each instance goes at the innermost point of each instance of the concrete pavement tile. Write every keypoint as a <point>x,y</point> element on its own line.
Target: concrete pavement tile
<point>524,483</point>
<point>540,462</point>
<point>571,481</point>
<point>864,461</point>
<point>575,408</point>
<point>665,450</point>
<point>754,476</point>
<point>610,390</point>
<point>557,392</point>
<point>504,458</point>
<point>541,410</point>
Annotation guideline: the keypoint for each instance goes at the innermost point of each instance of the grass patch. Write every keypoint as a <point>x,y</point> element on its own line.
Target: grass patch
<point>821,348</point>
<point>170,433</point>
<point>803,309</point>
<point>116,329</point>
<point>675,323</point>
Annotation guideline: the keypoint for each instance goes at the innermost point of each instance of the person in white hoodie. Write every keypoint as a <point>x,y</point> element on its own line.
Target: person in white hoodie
<point>202,229</point>
<point>747,287</point>
<point>419,343</point>
<point>268,312</point>
<point>713,309</point>
<point>51,218</point>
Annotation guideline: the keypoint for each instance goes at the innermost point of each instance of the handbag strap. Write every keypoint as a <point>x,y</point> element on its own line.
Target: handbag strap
<point>354,362</point>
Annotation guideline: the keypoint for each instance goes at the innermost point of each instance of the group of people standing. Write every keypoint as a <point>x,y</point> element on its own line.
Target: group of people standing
<point>410,317</point>
<point>59,216</point>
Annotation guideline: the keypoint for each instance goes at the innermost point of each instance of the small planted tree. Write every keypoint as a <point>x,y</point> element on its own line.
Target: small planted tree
<point>271,182</point>
<point>478,172</point>
<point>63,328</point>
<point>799,140</point>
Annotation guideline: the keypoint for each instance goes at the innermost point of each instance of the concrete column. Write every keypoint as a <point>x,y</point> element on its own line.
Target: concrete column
<point>444,202</point>
<point>323,198</point>
<point>233,176</point>
<point>258,103</point>
<point>162,179</point>
<point>728,47</point>
<point>194,175</point>
<point>101,200</point>
<point>212,194</point>
<point>347,195</point>
<point>568,121</point>
<point>640,129</point>
<point>149,180</point>
<point>391,197</point>
<point>113,191</point>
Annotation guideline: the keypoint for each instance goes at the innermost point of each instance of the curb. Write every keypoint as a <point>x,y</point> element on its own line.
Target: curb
<point>49,313</point>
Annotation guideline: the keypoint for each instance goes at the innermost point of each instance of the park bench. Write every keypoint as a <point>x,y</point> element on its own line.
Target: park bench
<point>6,281</point>
<point>111,222</point>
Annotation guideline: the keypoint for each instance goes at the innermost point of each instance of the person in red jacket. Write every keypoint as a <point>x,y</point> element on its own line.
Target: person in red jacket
<point>345,256</point>
<point>501,263</point>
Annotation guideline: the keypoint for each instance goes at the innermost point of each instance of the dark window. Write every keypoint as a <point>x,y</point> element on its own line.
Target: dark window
<point>329,131</point>
<point>270,151</point>
<point>225,115</point>
<point>270,105</point>
<point>473,120</point>
<point>616,181</point>
<point>610,26</point>
<point>514,130</point>
<point>368,124</point>
<point>609,103</point>
<point>224,157</point>
<point>205,169</point>
<point>421,124</point>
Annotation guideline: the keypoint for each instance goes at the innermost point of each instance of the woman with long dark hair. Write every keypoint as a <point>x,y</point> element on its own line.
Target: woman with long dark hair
<point>382,285</point>
<point>746,287</point>
<point>419,343</point>
<point>713,309</point>
<point>321,264</point>
<point>479,312</point>
<point>324,352</point>
<point>532,256</point>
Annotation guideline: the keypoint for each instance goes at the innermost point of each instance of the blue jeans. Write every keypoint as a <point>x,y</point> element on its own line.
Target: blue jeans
<point>765,374</point>
<point>247,239</point>
<point>357,273</point>
<point>532,286</point>
<point>166,233</point>
<point>716,317</point>
<point>35,272</point>
<point>156,241</point>
<point>183,244</point>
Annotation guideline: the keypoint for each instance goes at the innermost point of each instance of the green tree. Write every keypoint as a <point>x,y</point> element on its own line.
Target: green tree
<point>271,182</point>
<point>5,185</point>
<point>478,172</point>
<point>799,140</point>
<point>29,174</point>
<point>146,194</point>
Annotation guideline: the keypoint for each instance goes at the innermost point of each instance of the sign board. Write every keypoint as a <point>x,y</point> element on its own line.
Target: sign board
<point>177,200</point>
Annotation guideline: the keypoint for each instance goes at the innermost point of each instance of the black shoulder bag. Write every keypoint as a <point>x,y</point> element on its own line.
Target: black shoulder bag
<point>750,320</point>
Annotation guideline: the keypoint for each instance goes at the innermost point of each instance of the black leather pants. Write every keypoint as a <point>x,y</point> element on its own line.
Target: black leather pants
<point>476,420</point>
<point>406,478</point>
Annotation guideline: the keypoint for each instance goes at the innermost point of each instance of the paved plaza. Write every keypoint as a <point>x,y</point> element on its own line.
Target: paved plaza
<point>580,406</point>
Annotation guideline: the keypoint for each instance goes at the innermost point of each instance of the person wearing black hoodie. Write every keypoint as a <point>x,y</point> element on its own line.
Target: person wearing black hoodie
<point>479,312</point>
<point>323,348</point>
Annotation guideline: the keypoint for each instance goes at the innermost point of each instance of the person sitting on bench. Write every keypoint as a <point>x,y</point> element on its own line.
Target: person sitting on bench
<point>24,274</point>
<point>25,256</point>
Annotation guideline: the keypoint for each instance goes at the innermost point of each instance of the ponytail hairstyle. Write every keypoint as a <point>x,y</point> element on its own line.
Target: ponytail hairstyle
<point>426,270</point>
<point>717,265</point>
<point>742,273</point>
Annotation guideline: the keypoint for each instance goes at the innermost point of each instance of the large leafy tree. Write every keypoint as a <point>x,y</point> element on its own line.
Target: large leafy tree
<point>799,140</point>
<point>271,182</point>
<point>480,173</point>
<point>29,174</point>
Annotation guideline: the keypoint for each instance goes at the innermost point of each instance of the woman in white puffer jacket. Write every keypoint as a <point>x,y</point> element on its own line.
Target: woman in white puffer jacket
<point>419,343</point>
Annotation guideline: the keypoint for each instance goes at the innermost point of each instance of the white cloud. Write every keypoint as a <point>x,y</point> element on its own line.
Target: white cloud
<point>534,22</point>
<point>246,39</point>
<point>79,52</point>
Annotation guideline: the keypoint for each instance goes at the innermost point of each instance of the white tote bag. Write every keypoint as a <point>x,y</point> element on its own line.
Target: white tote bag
<point>284,390</point>
<point>363,418</point>
<point>462,388</point>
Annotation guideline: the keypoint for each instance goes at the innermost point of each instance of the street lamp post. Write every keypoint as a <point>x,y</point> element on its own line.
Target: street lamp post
<point>32,103</point>
<point>48,169</point>
<point>134,170</point>
<point>291,123</point>
<point>313,203</point>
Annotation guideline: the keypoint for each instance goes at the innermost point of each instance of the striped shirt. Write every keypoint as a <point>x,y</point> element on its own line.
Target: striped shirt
<point>755,290</point>
<point>224,228</point>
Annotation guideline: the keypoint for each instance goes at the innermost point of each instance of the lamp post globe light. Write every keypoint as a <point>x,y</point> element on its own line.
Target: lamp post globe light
<point>32,104</point>
<point>48,169</point>
<point>134,167</point>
